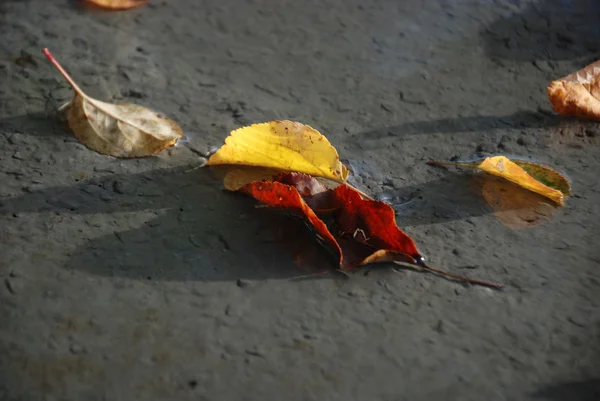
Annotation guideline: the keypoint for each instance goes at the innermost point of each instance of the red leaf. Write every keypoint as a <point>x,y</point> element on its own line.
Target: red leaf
<point>367,231</point>
<point>372,223</point>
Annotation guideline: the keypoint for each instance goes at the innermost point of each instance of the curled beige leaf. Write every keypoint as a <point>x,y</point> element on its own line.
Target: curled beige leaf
<point>578,94</point>
<point>121,130</point>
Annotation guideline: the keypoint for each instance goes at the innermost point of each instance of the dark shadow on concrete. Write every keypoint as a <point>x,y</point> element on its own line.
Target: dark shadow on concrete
<point>37,124</point>
<point>200,231</point>
<point>454,196</point>
<point>204,233</point>
<point>546,30</point>
<point>259,247</point>
<point>587,390</point>
<point>519,120</point>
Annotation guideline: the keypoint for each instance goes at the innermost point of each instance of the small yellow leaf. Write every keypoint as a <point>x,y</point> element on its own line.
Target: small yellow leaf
<point>502,166</point>
<point>121,130</point>
<point>284,146</point>
<point>505,168</point>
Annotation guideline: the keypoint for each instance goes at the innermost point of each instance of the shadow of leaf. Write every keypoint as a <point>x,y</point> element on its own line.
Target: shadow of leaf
<point>44,124</point>
<point>261,246</point>
<point>449,198</point>
<point>519,120</point>
<point>200,233</point>
<point>587,390</point>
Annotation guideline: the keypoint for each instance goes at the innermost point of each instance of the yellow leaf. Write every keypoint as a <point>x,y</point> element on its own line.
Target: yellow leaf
<point>503,167</point>
<point>284,146</point>
<point>121,130</point>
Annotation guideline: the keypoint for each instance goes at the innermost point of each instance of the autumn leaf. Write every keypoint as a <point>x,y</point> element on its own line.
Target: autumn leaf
<point>578,94</point>
<point>116,4</point>
<point>543,180</point>
<point>121,130</point>
<point>284,146</point>
<point>361,232</point>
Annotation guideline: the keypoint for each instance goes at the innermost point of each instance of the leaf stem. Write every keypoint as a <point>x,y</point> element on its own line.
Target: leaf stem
<point>64,73</point>
<point>453,276</point>
<point>442,163</point>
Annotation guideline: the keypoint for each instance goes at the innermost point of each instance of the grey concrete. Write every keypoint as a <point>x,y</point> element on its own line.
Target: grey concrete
<point>141,280</point>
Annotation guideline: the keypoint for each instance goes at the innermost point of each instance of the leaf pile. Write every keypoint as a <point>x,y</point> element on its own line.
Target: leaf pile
<point>360,231</point>
<point>364,231</point>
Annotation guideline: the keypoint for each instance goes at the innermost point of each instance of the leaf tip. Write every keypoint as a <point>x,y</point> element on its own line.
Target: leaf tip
<point>47,54</point>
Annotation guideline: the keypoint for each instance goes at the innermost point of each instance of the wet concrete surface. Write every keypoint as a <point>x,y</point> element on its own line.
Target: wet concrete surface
<point>141,279</point>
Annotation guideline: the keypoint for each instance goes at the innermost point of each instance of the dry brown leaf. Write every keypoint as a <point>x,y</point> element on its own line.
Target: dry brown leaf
<point>116,4</point>
<point>121,130</point>
<point>578,94</point>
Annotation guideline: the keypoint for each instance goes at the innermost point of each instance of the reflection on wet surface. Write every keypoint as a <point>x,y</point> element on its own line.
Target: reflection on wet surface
<point>514,206</point>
